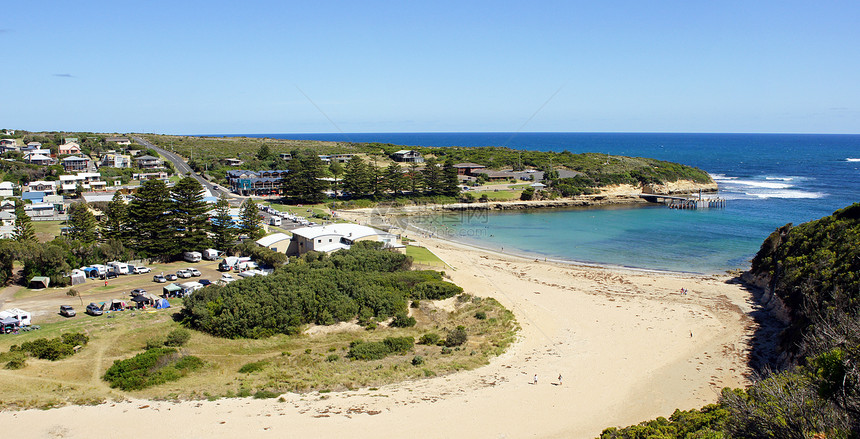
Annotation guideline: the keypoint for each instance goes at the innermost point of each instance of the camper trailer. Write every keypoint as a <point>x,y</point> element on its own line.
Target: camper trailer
<point>192,256</point>
<point>275,221</point>
<point>22,316</point>
<point>210,254</point>
<point>118,267</point>
<point>101,270</point>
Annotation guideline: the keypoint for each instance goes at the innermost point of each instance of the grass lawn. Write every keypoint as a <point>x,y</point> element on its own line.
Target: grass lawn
<point>315,209</point>
<point>287,363</point>
<point>499,195</point>
<point>47,230</point>
<point>423,256</point>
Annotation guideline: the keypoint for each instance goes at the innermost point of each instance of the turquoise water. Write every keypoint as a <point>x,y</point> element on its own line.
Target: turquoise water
<point>768,179</point>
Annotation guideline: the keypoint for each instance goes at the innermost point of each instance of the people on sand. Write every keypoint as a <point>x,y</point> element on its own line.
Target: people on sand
<point>535,379</point>
<point>559,379</point>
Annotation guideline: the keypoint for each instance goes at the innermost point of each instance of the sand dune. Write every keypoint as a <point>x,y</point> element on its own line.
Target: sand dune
<point>629,346</point>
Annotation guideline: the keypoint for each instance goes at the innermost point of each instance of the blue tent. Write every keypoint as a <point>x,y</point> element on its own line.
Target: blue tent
<point>91,271</point>
<point>162,303</point>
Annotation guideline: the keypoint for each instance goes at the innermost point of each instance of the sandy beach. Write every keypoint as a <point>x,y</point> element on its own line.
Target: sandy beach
<point>629,345</point>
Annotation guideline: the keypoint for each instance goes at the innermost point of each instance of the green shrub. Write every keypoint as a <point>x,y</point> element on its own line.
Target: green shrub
<point>429,338</point>
<point>481,315</point>
<point>149,368</point>
<point>55,348</point>
<point>399,345</point>
<point>153,343</point>
<point>17,361</point>
<point>253,367</point>
<point>417,360</point>
<point>332,358</point>
<point>456,337</point>
<point>401,320</point>
<point>377,350</point>
<point>266,394</point>
<point>177,337</point>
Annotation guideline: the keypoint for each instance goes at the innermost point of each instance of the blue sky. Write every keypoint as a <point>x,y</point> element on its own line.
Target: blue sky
<point>186,67</point>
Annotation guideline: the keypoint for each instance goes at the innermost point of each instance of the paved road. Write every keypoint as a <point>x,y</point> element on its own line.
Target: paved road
<point>183,168</point>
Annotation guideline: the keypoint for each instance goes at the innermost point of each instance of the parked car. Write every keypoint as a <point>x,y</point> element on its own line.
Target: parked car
<point>194,272</point>
<point>94,310</point>
<point>67,311</point>
<point>227,278</point>
<point>110,274</point>
<point>141,270</point>
<point>170,276</point>
<point>185,274</point>
<point>138,291</point>
<point>204,282</point>
<point>159,278</point>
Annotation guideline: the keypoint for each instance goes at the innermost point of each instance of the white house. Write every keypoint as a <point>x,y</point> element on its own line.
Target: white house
<point>279,242</point>
<point>6,218</point>
<point>335,237</point>
<point>6,188</point>
<point>116,161</point>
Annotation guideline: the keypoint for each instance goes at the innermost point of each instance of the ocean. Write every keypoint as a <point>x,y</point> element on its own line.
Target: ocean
<point>768,179</point>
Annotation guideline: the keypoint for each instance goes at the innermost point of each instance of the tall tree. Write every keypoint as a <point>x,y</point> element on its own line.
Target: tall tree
<point>23,231</point>
<point>249,220</point>
<point>223,226</point>
<point>116,223</point>
<point>82,223</point>
<point>302,183</point>
<point>264,153</point>
<point>150,215</point>
<point>356,179</point>
<point>190,215</point>
<point>336,170</point>
<point>450,182</point>
<point>413,178</point>
<point>395,180</point>
<point>432,176</point>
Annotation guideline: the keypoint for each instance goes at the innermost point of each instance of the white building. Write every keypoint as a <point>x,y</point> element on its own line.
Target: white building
<point>335,237</point>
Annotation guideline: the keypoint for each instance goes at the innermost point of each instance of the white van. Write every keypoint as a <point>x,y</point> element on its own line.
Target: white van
<point>275,221</point>
<point>192,256</point>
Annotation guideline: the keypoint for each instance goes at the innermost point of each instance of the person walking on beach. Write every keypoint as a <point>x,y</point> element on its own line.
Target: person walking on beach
<point>535,383</point>
<point>559,379</point>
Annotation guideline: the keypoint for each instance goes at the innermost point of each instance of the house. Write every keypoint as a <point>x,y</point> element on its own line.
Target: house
<point>256,182</point>
<point>149,176</point>
<point>7,188</point>
<point>279,242</point>
<point>116,161</point>
<point>93,197</point>
<point>232,162</point>
<point>69,149</point>
<point>335,237</point>
<point>7,145</point>
<point>341,158</point>
<point>7,205</point>
<point>407,156</point>
<point>39,210</point>
<point>74,163</point>
<point>471,169</point>
<point>33,145</point>
<point>8,142</point>
<point>118,140</point>
<point>38,159</point>
<point>7,219</point>
<point>148,162</point>
<point>70,140</point>
<point>42,186</point>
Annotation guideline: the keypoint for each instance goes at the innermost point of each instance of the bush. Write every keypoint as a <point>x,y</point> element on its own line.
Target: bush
<point>417,360</point>
<point>153,343</point>
<point>253,367</point>
<point>401,320</point>
<point>17,361</point>
<point>481,315</point>
<point>266,394</point>
<point>456,337</point>
<point>177,337</point>
<point>429,338</point>
<point>155,366</point>
<point>56,348</point>
<point>377,350</point>
<point>332,358</point>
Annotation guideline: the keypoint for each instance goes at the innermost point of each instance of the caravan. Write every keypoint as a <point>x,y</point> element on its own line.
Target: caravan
<point>232,263</point>
<point>22,316</point>
<point>210,254</point>
<point>119,267</point>
<point>192,256</point>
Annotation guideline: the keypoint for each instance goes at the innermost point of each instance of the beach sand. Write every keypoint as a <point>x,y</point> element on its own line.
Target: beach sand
<point>629,345</point>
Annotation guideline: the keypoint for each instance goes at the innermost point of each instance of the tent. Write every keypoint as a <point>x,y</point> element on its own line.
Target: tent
<point>23,317</point>
<point>38,282</point>
<point>78,277</point>
<point>91,272</point>
<point>162,303</point>
<point>8,325</point>
<point>171,290</point>
<point>115,305</point>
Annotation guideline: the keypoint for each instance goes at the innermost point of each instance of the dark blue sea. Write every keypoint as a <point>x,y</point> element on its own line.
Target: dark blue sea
<point>768,179</point>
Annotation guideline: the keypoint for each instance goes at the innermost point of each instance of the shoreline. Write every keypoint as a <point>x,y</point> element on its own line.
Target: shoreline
<point>629,346</point>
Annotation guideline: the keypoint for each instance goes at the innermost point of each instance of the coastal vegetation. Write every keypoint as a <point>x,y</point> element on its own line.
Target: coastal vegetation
<point>811,271</point>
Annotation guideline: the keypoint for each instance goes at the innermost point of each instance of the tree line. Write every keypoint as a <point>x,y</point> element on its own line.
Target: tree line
<point>159,223</point>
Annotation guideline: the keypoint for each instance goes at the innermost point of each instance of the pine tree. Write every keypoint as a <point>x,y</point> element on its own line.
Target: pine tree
<point>223,226</point>
<point>190,215</point>
<point>150,215</point>
<point>450,182</point>
<point>414,178</point>
<point>336,170</point>
<point>82,223</point>
<point>302,183</point>
<point>116,222</point>
<point>356,179</point>
<point>395,181</point>
<point>23,231</point>
<point>432,176</point>
<point>249,218</point>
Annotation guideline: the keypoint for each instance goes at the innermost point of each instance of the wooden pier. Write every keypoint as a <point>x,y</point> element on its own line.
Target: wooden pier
<point>674,202</point>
